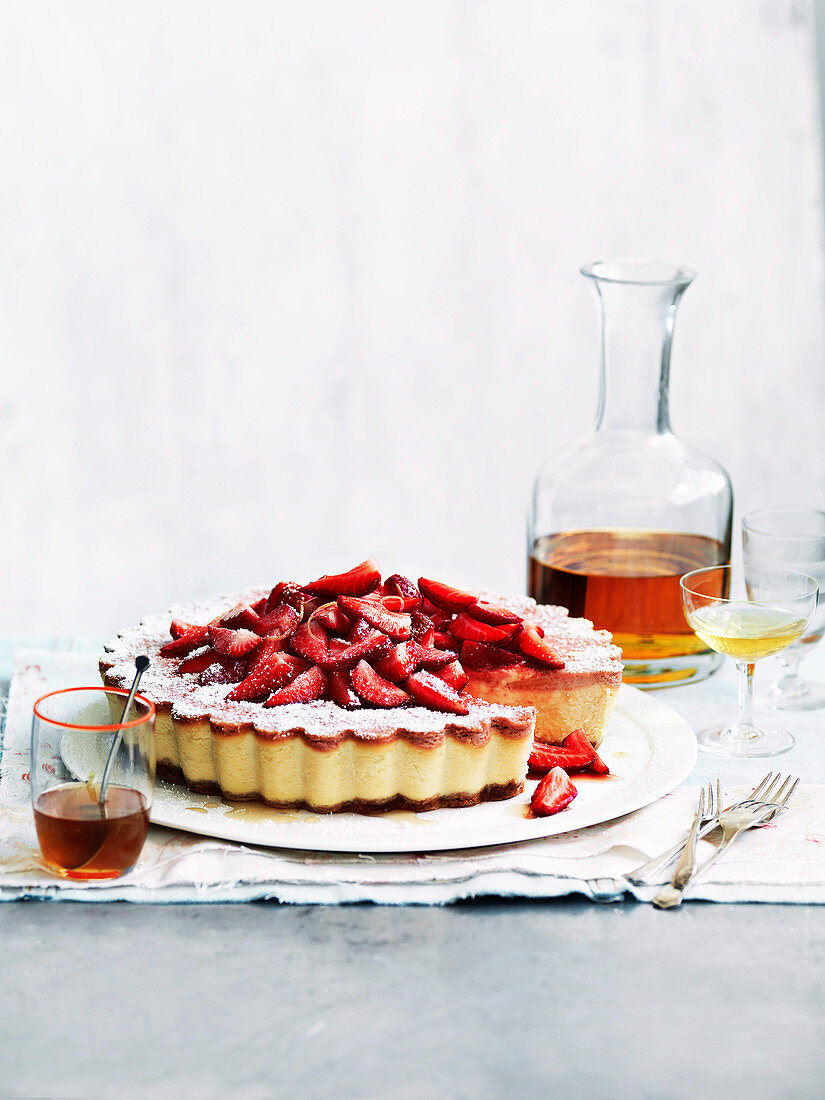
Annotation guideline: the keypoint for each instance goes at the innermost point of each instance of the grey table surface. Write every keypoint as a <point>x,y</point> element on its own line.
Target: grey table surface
<point>480,999</point>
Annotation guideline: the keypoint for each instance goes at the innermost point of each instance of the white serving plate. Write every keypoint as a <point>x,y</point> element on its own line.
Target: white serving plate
<point>648,747</point>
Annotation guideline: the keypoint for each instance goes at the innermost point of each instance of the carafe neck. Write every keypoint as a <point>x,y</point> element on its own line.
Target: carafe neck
<point>637,303</point>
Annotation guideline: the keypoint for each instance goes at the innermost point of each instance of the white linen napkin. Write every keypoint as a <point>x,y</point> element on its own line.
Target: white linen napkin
<point>783,862</point>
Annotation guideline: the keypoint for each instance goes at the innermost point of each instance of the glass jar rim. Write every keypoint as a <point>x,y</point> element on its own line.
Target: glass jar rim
<point>639,272</point>
<point>750,523</point>
<point>113,727</point>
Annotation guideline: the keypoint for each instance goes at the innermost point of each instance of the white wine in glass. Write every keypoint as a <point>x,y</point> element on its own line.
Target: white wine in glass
<point>775,616</point>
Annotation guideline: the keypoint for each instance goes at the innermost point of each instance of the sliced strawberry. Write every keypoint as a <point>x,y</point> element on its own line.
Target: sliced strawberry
<point>394,624</point>
<point>434,693</point>
<point>442,640</point>
<point>533,645</point>
<point>332,618</point>
<point>427,657</point>
<point>310,641</point>
<point>340,690</point>
<point>289,593</point>
<point>280,622</point>
<point>222,672</point>
<point>421,627</point>
<point>265,650</point>
<point>493,613</point>
<point>178,628</point>
<point>471,630</point>
<point>259,605</point>
<point>356,582</point>
<point>269,674</point>
<point>192,639</point>
<point>303,689</point>
<point>374,646</point>
<point>375,689</point>
<point>359,630</point>
<point>399,662</point>
<point>233,643</point>
<point>544,757</point>
<point>578,741</point>
<point>554,792</point>
<point>479,657</point>
<point>390,603</point>
<point>396,585</point>
<point>199,659</point>
<point>240,616</point>
<point>454,675</point>
<point>445,596</point>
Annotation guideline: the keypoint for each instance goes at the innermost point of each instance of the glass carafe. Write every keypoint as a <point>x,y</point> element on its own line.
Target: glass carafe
<point>617,520</point>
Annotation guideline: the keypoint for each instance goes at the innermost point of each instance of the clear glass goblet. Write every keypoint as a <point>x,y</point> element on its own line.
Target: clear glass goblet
<point>769,617</point>
<point>791,538</point>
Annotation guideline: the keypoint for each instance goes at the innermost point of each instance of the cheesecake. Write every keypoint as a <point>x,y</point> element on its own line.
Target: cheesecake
<point>350,693</point>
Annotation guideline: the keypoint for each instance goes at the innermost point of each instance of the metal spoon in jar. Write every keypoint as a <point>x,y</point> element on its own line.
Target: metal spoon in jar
<point>141,664</point>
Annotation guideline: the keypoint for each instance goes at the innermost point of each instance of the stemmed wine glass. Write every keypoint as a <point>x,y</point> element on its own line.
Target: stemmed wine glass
<point>771,616</point>
<point>791,538</point>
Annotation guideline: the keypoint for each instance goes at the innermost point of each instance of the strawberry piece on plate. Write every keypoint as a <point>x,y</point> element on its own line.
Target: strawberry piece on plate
<point>192,639</point>
<point>199,659</point>
<point>311,642</point>
<point>555,791</point>
<point>432,692</point>
<point>233,643</point>
<point>493,613</point>
<point>357,581</point>
<point>533,645</point>
<point>454,675</point>
<point>268,674</point>
<point>303,689</point>
<point>394,624</point>
<point>545,757</point>
<point>399,662</point>
<point>375,689</point>
<point>339,690</point>
<point>280,622</point>
<point>445,596</point>
<point>467,628</point>
<point>577,742</point>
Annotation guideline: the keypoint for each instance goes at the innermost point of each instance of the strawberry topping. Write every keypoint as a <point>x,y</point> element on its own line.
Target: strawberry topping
<point>554,792</point>
<point>241,615</point>
<point>179,628</point>
<point>375,689</point>
<point>280,622</point>
<point>310,641</point>
<point>199,659</point>
<point>493,613</point>
<point>454,675</point>
<point>233,643</point>
<point>303,689</point>
<point>192,639</point>
<point>270,673</point>
<point>358,581</point>
<point>222,672</point>
<point>393,624</point>
<point>444,596</point>
<point>471,630</point>
<point>399,662</point>
<point>430,691</point>
<point>340,691</point>
<point>533,645</point>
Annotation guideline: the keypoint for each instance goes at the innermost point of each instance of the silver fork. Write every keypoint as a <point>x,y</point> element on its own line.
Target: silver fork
<point>733,822</point>
<point>639,875</point>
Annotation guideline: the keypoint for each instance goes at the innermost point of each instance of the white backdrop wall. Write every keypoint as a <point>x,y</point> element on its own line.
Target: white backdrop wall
<point>284,285</point>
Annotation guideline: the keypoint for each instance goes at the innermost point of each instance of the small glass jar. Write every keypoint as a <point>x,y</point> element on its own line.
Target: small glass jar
<point>617,520</point>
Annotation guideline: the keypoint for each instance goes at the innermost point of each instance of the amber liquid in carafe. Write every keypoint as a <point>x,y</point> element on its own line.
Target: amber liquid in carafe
<point>626,581</point>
